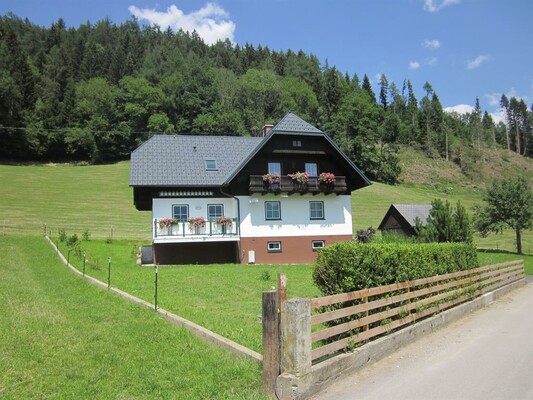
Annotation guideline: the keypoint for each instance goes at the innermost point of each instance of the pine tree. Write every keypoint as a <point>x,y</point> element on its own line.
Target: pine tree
<point>367,87</point>
<point>384,91</point>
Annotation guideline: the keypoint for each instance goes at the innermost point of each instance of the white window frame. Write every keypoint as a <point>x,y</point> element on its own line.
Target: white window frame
<point>311,168</point>
<point>311,217</point>
<point>186,215</point>
<point>212,216</point>
<point>272,218</point>
<point>211,165</point>
<point>274,247</point>
<point>272,170</point>
<point>321,244</point>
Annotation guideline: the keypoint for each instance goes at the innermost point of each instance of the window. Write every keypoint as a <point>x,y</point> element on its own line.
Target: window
<point>214,211</point>
<point>316,210</point>
<point>317,244</point>
<point>311,169</point>
<point>272,210</point>
<point>296,143</point>
<point>180,212</point>
<point>211,165</point>
<point>274,168</point>
<point>274,247</point>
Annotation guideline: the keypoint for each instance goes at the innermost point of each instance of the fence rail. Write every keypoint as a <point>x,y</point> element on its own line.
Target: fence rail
<point>347,319</point>
<point>119,231</point>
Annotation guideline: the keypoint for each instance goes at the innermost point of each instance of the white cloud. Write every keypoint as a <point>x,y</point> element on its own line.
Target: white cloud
<point>211,22</point>
<point>498,116</point>
<point>493,99</point>
<point>437,5</point>
<point>431,61</point>
<point>431,44</point>
<point>460,109</point>
<point>476,62</point>
<point>414,65</point>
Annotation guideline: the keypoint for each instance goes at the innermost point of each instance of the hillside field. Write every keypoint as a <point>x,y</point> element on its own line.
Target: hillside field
<point>98,198</point>
<point>62,338</point>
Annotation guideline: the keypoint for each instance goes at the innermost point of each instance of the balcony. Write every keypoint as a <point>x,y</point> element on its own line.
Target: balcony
<point>289,186</point>
<point>185,232</point>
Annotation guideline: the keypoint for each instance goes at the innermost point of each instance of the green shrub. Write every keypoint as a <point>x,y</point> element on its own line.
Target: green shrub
<point>348,266</point>
<point>72,240</point>
<point>62,235</point>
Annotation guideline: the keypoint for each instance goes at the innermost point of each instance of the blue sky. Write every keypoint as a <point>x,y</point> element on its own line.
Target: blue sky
<point>464,48</point>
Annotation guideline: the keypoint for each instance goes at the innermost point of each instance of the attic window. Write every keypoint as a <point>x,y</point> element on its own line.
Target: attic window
<point>211,165</point>
<point>296,143</point>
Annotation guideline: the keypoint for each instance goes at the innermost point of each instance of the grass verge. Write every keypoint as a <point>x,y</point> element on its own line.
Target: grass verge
<point>61,337</point>
<point>225,298</point>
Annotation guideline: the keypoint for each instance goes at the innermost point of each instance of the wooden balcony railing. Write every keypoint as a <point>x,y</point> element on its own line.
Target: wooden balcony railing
<point>288,185</point>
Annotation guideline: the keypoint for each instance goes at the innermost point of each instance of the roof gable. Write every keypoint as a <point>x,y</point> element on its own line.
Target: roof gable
<point>293,124</point>
<point>409,212</point>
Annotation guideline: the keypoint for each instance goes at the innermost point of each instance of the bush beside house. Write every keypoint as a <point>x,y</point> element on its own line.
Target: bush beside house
<point>349,266</point>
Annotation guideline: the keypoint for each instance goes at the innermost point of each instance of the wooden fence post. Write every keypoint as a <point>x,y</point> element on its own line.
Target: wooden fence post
<point>296,337</point>
<point>270,341</point>
<point>282,298</point>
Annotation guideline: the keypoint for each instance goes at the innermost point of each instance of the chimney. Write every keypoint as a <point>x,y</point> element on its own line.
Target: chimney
<point>266,129</point>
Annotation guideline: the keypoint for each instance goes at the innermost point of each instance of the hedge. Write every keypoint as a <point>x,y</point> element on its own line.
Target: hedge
<point>348,266</point>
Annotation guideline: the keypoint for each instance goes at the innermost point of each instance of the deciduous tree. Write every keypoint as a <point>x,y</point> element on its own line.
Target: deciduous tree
<point>509,204</point>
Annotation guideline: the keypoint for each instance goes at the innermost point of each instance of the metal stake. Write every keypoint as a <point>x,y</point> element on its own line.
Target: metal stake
<point>156,280</point>
<point>108,272</point>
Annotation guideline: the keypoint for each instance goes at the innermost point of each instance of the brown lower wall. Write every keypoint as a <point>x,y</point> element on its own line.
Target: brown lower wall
<point>294,250</point>
<point>196,253</point>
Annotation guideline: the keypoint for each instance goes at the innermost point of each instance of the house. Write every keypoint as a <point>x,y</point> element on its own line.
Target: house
<point>218,199</point>
<point>401,218</point>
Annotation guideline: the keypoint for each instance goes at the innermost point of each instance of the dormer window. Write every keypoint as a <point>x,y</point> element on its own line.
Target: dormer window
<point>211,165</point>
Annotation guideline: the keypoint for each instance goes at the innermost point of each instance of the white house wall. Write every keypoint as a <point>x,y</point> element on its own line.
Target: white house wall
<point>162,208</point>
<point>295,219</point>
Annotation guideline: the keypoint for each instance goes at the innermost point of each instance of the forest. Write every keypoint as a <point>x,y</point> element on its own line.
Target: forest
<point>94,93</point>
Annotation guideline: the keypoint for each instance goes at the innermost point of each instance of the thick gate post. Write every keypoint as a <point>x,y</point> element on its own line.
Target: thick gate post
<point>296,337</point>
<point>271,343</point>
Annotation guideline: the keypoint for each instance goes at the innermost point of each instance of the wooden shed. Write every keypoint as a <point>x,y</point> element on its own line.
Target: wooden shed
<point>401,218</point>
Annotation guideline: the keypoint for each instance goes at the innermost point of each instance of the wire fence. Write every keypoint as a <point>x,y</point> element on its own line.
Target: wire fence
<point>105,232</point>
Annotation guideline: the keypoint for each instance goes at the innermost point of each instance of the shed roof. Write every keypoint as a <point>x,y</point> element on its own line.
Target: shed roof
<point>409,212</point>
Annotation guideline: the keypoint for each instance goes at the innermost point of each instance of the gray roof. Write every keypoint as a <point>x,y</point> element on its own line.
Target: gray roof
<point>179,160</point>
<point>293,124</point>
<point>412,211</point>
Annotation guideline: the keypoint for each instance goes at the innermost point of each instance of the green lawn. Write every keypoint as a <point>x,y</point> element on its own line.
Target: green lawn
<point>98,198</point>
<point>223,298</point>
<point>63,338</point>
<point>76,198</point>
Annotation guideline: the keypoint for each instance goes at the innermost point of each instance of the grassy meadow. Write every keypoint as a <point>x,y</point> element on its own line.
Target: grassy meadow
<point>99,199</point>
<point>115,349</point>
<point>63,338</point>
<point>73,197</point>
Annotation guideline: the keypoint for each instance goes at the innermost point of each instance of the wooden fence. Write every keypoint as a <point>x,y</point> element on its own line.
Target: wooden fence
<point>302,332</point>
<point>346,320</point>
